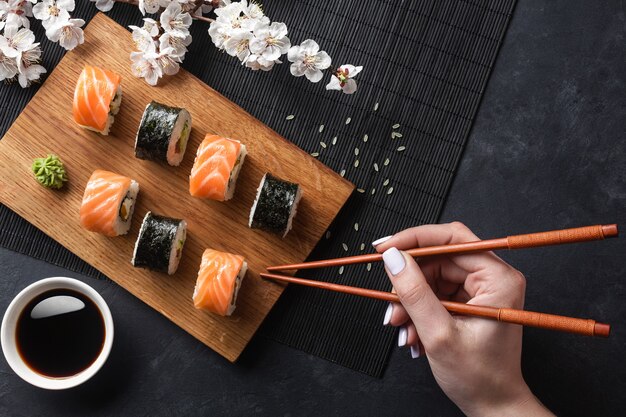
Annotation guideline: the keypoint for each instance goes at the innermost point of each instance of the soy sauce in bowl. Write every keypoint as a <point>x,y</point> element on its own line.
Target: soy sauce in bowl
<point>60,333</point>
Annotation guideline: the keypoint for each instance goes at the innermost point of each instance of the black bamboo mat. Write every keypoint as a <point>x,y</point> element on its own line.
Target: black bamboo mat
<point>426,66</point>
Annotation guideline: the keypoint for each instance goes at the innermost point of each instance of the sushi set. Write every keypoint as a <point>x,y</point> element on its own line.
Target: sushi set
<point>174,192</point>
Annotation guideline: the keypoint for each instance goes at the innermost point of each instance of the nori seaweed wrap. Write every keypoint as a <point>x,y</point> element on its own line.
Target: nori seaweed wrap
<point>163,134</point>
<point>275,205</point>
<point>160,243</point>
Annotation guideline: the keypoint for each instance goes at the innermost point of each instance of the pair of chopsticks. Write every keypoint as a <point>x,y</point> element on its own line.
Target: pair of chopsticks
<point>585,327</point>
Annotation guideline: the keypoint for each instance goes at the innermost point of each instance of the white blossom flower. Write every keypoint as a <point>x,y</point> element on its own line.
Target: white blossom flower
<point>51,11</point>
<point>28,66</point>
<point>229,15</point>
<point>145,65</point>
<point>69,34</point>
<point>257,62</point>
<point>308,60</point>
<point>175,21</point>
<point>240,15</point>
<point>251,10</point>
<point>342,79</point>
<point>238,44</point>
<point>8,65</point>
<point>270,41</point>
<point>149,6</point>
<point>143,40</point>
<point>219,34</point>
<point>14,14</point>
<point>168,62</point>
<point>177,44</point>
<point>104,5</point>
<point>151,26</point>
<point>15,41</point>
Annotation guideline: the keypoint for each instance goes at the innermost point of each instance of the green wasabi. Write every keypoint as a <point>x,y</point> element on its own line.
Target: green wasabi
<point>49,171</point>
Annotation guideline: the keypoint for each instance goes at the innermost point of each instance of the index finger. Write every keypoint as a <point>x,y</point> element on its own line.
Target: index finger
<point>441,234</point>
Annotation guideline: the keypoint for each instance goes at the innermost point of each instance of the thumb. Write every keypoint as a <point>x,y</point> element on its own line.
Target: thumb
<point>432,321</point>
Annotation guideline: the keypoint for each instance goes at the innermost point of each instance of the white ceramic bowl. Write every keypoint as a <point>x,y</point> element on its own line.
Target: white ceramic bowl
<point>9,322</point>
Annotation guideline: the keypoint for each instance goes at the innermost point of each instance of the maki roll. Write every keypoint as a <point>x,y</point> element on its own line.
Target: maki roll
<point>216,168</point>
<point>219,279</point>
<point>160,243</point>
<point>163,134</point>
<point>97,99</point>
<point>108,203</point>
<point>275,205</point>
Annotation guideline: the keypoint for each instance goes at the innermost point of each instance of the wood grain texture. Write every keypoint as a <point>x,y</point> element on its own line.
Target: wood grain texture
<point>46,126</point>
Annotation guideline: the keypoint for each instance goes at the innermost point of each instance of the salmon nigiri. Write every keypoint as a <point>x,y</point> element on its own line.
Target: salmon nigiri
<point>216,167</point>
<point>108,203</point>
<point>97,99</point>
<point>218,282</point>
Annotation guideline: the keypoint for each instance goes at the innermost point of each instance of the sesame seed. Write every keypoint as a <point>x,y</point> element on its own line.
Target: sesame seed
<point>356,151</point>
<point>315,154</point>
<point>345,247</point>
<point>362,246</point>
<point>365,138</point>
<point>356,163</point>
<point>390,190</point>
<point>290,117</point>
<point>335,140</point>
<point>397,125</point>
<point>373,191</point>
<point>386,183</point>
<point>375,106</point>
<point>328,234</point>
<point>360,190</point>
<point>323,145</point>
<point>321,128</point>
<point>401,148</point>
<point>348,120</point>
<point>356,227</point>
<point>343,173</point>
<point>369,267</point>
<point>341,270</point>
<point>375,167</point>
<point>398,134</point>
<point>386,162</point>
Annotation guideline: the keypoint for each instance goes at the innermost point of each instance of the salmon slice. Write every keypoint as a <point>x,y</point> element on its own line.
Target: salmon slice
<point>102,200</point>
<point>218,282</point>
<point>214,169</point>
<point>95,90</point>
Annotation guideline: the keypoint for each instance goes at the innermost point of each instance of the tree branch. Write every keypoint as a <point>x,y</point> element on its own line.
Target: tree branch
<point>197,5</point>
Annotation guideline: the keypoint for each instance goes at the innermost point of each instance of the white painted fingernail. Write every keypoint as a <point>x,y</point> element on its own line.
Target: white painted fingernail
<point>388,313</point>
<point>402,336</point>
<point>381,240</point>
<point>394,261</point>
<point>415,352</point>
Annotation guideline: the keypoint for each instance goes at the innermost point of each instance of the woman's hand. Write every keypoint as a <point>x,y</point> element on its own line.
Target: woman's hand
<point>475,361</point>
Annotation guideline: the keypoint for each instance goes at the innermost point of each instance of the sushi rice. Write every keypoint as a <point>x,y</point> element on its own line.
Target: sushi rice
<point>126,210</point>
<point>234,174</point>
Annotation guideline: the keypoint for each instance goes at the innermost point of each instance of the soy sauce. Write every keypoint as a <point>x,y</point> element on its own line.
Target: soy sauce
<point>60,333</point>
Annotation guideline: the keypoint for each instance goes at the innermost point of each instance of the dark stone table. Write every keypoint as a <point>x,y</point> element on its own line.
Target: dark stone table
<point>547,151</point>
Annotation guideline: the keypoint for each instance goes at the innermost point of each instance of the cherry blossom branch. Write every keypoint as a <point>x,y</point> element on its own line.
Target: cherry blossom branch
<point>197,5</point>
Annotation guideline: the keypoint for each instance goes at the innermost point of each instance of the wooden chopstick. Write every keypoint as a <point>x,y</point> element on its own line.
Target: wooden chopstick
<point>585,327</point>
<point>554,237</point>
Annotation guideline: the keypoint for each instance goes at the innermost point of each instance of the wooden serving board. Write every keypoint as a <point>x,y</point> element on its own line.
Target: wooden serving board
<point>46,126</point>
